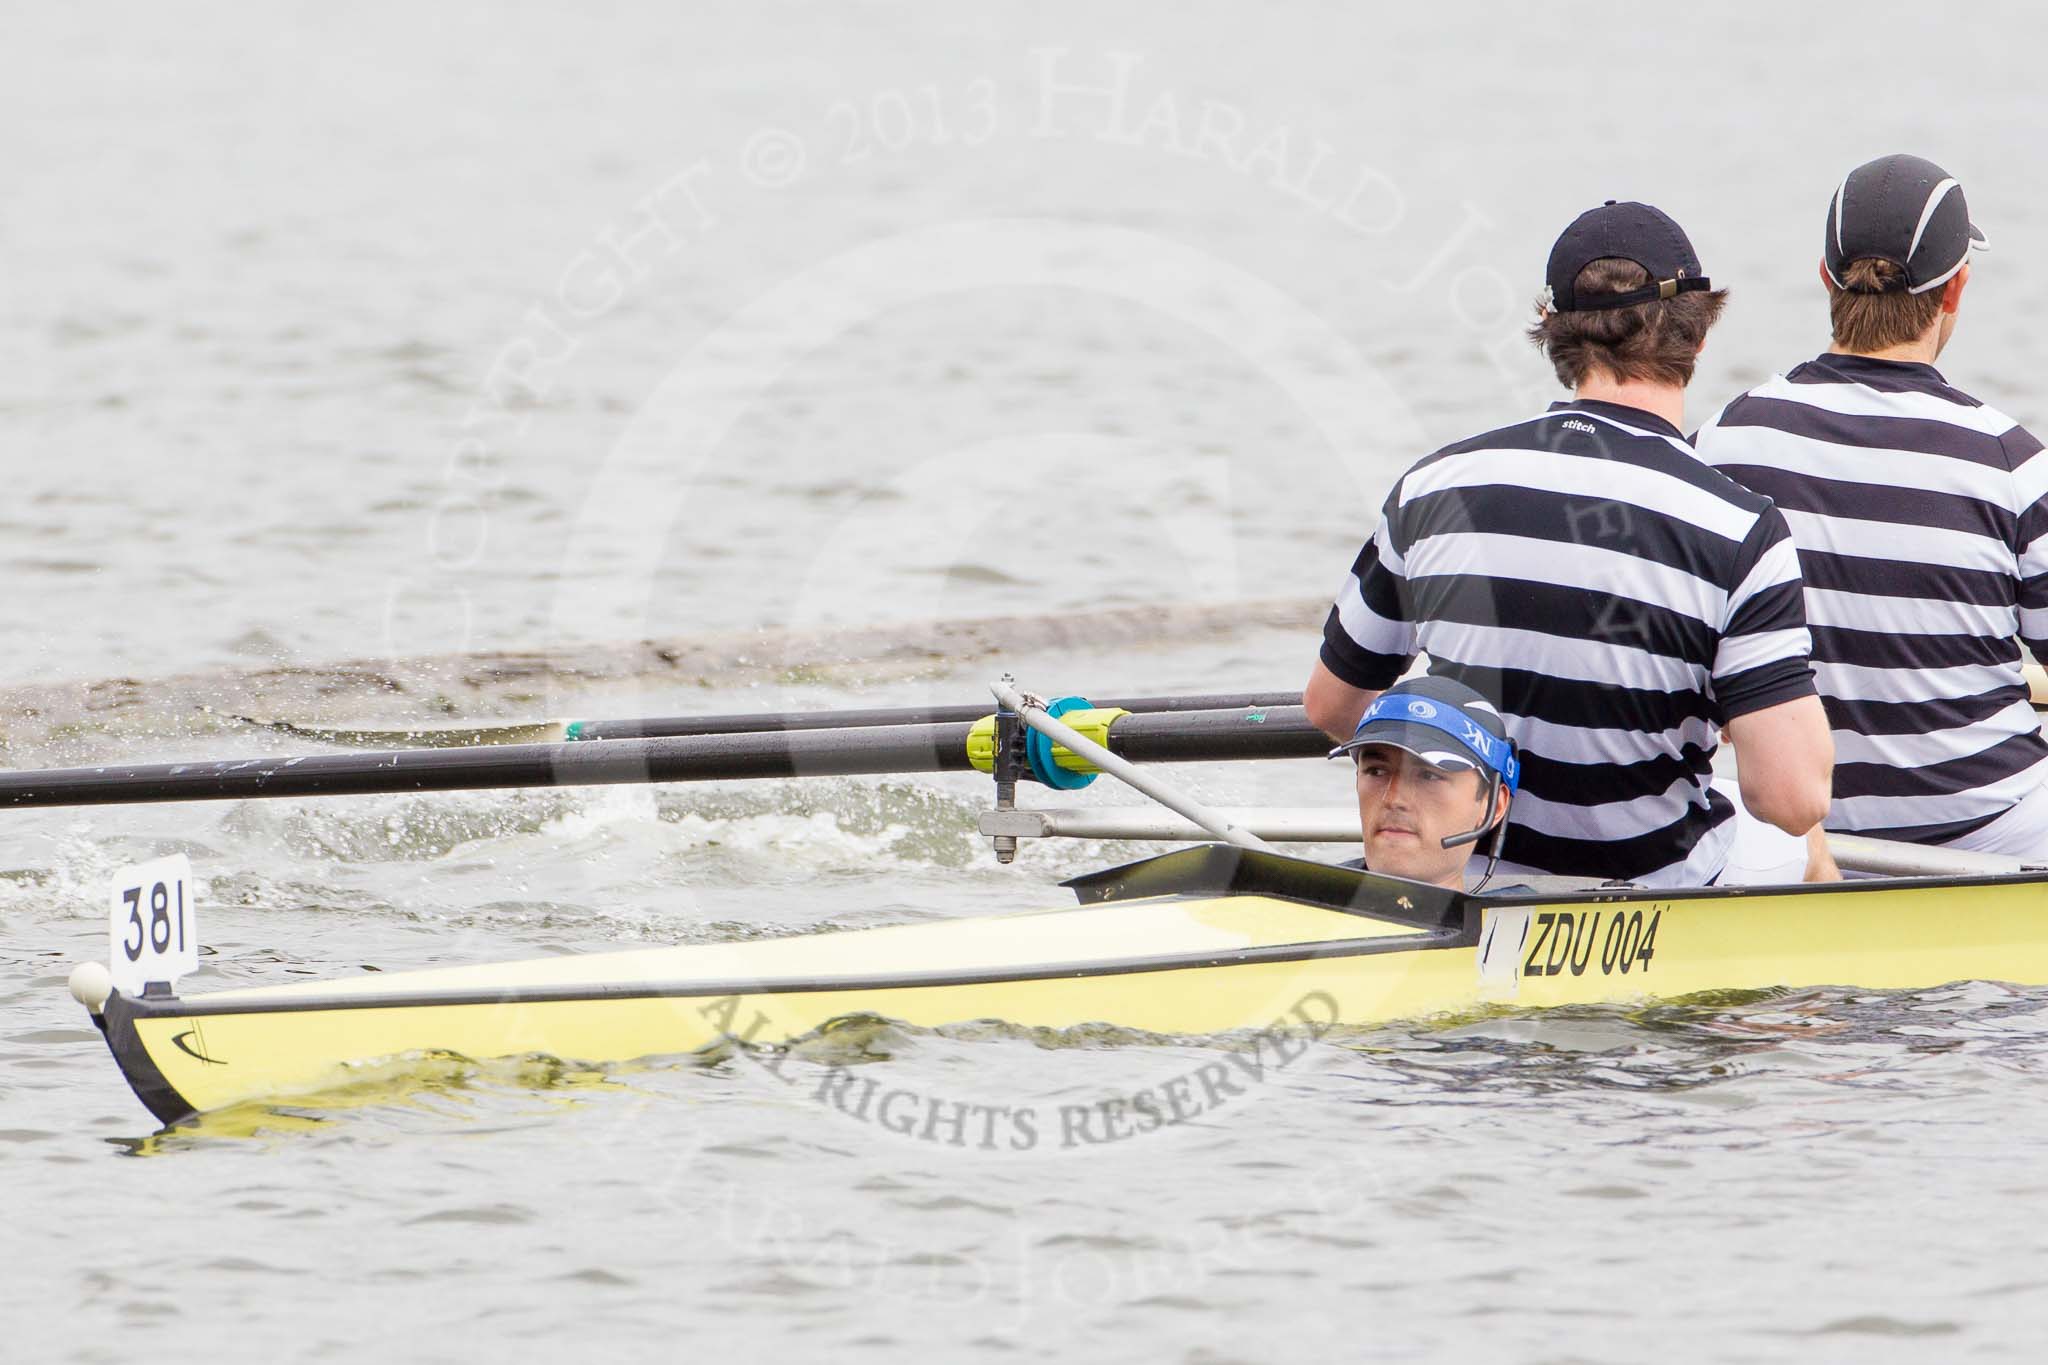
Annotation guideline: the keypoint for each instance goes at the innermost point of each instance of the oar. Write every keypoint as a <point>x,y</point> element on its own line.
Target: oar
<point>1339,825</point>
<point>1162,737</point>
<point>465,734</point>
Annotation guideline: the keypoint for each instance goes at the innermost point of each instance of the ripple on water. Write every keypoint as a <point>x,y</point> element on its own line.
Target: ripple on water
<point>1879,1325</point>
<point>487,1215</point>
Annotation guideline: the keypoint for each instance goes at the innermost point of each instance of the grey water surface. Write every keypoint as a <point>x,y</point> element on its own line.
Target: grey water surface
<point>380,332</point>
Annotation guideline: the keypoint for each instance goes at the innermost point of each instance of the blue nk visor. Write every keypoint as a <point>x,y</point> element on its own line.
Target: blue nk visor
<point>1437,732</point>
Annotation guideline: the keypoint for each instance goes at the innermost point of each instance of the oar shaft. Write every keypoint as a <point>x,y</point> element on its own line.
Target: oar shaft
<point>658,726</point>
<point>1184,737</point>
<point>1206,736</point>
<point>700,758</point>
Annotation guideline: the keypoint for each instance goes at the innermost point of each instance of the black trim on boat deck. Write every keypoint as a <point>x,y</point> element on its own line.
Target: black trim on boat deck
<point>1223,870</point>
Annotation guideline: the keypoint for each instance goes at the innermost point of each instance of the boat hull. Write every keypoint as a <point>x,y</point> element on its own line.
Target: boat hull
<point>1199,942</point>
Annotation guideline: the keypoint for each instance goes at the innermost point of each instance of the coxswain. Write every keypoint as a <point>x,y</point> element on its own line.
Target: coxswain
<point>1436,774</point>
<point>1623,604</point>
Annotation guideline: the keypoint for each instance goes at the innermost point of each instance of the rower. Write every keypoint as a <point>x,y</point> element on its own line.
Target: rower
<point>1436,773</point>
<point>1621,603</point>
<point>1921,517</point>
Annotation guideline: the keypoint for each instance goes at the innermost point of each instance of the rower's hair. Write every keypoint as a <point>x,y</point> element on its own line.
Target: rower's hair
<point>1657,341</point>
<point>1872,313</point>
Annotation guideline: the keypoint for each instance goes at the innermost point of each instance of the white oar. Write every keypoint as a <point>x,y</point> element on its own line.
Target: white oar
<point>1339,825</point>
<point>1032,712</point>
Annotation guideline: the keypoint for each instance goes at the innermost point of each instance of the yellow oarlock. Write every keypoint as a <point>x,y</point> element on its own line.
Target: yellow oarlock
<point>1093,722</point>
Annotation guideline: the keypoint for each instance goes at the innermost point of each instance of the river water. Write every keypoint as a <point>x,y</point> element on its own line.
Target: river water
<point>344,345</point>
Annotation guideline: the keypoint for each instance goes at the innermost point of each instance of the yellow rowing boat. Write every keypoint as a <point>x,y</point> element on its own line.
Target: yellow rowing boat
<point>1198,942</point>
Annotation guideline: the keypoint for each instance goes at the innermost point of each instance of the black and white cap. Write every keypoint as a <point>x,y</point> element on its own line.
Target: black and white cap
<point>1629,232</point>
<point>1902,209</point>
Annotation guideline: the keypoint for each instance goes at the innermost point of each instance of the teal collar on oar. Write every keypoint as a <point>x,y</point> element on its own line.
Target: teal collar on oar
<point>1038,749</point>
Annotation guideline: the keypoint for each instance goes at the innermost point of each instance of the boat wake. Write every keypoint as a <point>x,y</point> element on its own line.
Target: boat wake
<point>53,723</point>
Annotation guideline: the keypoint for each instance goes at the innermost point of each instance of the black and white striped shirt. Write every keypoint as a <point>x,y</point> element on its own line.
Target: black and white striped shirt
<point>1923,539</point>
<point>1616,598</point>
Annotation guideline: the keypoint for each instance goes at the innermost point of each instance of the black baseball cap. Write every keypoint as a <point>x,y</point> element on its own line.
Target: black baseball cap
<point>1902,209</point>
<point>1631,232</point>
<point>1444,723</point>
